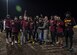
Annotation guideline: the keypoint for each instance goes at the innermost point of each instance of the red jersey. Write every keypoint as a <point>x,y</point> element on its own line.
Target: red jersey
<point>52,25</point>
<point>24,24</point>
<point>31,25</point>
<point>8,23</point>
<point>15,26</point>
<point>60,25</point>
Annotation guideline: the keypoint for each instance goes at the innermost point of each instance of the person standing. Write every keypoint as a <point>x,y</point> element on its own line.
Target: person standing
<point>69,23</point>
<point>40,31</point>
<point>60,31</point>
<point>31,30</point>
<point>20,29</point>
<point>15,30</point>
<point>46,29</point>
<point>52,28</point>
<point>8,29</point>
<point>24,24</point>
<point>36,22</point>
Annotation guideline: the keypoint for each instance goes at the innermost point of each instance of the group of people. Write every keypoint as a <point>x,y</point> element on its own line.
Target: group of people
<point>38,30</point>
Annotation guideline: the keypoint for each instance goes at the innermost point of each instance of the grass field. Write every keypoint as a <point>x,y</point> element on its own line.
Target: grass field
<point>36,49</point>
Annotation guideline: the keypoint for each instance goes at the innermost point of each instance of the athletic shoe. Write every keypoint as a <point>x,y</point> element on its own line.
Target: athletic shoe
<point>15,42</point>
<point>57,42</point>
<point>7,41</point>
<point>12,43</point>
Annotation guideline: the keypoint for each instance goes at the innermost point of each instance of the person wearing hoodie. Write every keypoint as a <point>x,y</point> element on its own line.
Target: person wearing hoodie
<point>69,23</point>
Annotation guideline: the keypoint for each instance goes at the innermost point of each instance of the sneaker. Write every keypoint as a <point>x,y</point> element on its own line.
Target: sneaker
<point>57,42</point>
<point>7,41</point>
<point>15,42</point>
<point>12,43</point>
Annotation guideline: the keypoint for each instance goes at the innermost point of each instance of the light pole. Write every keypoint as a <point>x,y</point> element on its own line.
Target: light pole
<point>7,6</point>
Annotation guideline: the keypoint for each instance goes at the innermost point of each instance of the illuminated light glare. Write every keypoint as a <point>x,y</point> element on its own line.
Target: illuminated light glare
<point>18,8</point>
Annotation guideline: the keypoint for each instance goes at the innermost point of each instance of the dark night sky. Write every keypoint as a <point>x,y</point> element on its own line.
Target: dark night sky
<point>36,7</point>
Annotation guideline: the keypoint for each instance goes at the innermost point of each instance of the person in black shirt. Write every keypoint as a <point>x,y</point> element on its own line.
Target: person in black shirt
<point>69,23</point>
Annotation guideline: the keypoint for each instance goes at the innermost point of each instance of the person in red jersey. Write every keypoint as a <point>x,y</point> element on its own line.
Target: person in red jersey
<point>8,29</point>
<point>53,29</point>
<point>60,31</point>
<point>15,30</point>
<point>24,23</point>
